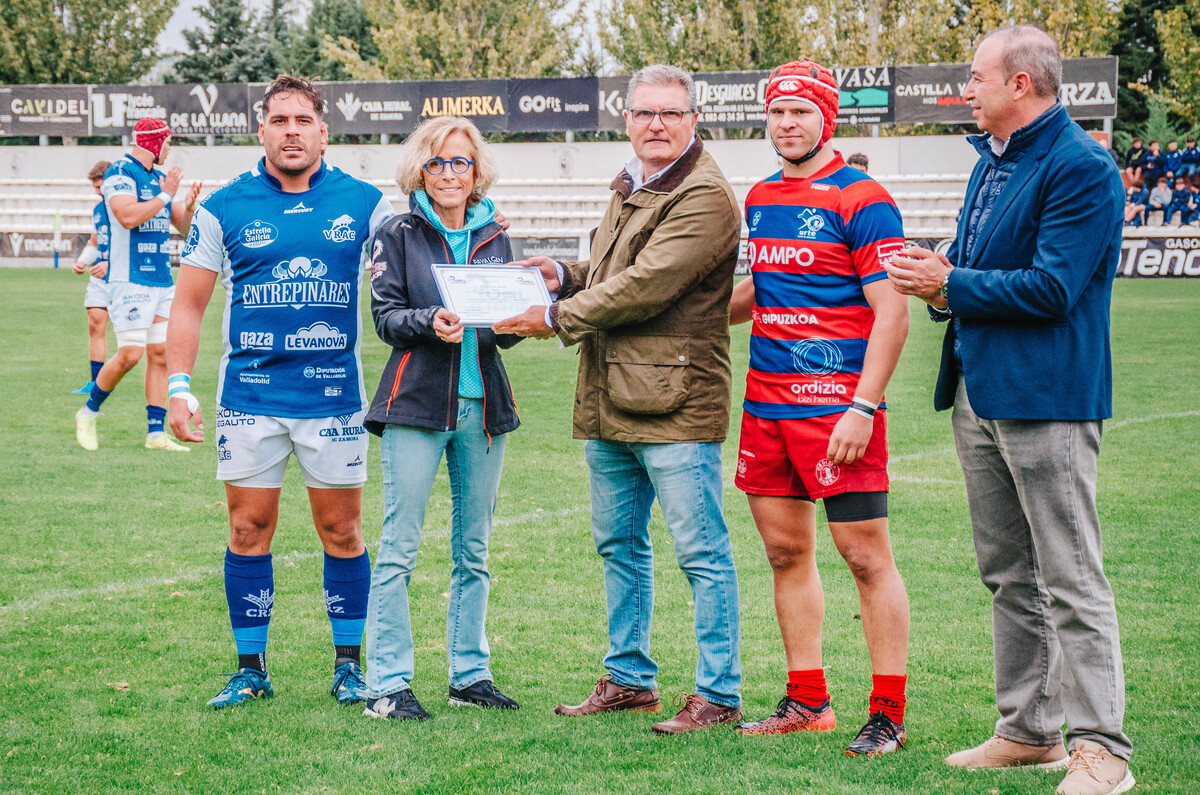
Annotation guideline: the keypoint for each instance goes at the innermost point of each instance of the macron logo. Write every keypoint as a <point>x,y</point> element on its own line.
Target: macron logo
<point>299,208</point>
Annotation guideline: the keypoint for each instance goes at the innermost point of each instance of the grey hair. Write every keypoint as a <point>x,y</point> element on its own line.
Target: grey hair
<point>1032,51</point>
<point>662,75</point>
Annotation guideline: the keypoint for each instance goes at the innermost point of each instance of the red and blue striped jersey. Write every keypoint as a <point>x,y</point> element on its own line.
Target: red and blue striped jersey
<point>813,244</point>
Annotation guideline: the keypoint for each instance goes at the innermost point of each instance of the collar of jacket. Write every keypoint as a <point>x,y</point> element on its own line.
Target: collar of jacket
<point>1038,134</point>
<point>417,211</point>
<point>668,182</point>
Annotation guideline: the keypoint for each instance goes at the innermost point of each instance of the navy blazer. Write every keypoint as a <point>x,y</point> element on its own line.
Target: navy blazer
<point>1032,303</point>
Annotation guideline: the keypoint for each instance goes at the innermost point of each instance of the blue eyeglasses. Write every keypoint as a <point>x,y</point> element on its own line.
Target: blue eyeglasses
<point>459,165</point>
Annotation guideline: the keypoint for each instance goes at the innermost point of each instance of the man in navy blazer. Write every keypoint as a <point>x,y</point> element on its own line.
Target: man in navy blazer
<point>1025,288</point>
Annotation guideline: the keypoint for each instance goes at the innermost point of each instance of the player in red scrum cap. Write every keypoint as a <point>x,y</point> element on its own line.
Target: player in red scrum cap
<point>827,334</point>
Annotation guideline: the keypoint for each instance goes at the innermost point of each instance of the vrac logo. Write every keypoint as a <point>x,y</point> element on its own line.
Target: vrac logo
<point>340,231</point>
<point>223,453</point>
<point>320,336</point>
<point>258,234</point>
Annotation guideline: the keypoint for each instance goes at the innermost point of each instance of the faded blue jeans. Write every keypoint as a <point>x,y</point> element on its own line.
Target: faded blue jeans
<point>686,477</point>
<point>410,462</point>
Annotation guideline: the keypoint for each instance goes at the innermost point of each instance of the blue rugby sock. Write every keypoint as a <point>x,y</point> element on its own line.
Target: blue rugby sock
<point>97,397</point>
<point>96,369</point>
<point>155,416</point>
<point>250,592</point>
<point>347,586</point>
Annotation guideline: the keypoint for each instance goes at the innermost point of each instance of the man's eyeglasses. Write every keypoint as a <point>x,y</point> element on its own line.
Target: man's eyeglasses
<point>644,116</point>
<point>459,165</point>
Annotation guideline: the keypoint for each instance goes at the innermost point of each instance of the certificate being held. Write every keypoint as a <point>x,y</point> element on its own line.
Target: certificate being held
<point>483,294</point>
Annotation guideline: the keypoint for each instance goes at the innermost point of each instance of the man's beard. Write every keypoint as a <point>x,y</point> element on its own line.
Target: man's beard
<point>291,171</point>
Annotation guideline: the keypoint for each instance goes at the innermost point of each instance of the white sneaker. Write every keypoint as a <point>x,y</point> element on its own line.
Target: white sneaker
<point>85,431</point>
<point>159,441</point>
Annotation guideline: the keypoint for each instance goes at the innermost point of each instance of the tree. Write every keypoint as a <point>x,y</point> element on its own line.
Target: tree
<point>236,46</point>
<point>1142,70</point>
<point>328,22</point>
<point>423,39</point>
<point>1178,29</point>
<point>79,41</point>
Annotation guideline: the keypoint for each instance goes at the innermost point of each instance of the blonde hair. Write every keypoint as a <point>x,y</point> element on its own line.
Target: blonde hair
<point>427,141</point>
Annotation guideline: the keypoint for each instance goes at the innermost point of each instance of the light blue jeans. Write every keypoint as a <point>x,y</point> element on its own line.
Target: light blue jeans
<point>625,477</point>
<point>410,462</point>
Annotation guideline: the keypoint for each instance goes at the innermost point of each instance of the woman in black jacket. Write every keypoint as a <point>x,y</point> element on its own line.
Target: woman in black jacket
<point>444,390</point>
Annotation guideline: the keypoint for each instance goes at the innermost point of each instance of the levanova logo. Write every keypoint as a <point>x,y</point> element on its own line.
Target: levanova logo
<point>258,234</point>
<point>298,284</point>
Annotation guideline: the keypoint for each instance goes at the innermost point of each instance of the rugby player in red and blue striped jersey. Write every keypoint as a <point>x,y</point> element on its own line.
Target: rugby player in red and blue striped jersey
<point>827,334</point>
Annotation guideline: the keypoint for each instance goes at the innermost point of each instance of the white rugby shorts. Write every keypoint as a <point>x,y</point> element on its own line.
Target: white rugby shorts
<point>253,449</point>
<point>96,294</point>
<point>134,306</point>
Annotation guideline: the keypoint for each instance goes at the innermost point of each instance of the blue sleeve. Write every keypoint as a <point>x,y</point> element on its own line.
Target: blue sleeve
<point>1071,240</point>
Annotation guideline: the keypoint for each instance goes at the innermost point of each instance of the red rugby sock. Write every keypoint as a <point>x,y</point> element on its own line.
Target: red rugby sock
<point>808,687</point>
<point>887,696</point>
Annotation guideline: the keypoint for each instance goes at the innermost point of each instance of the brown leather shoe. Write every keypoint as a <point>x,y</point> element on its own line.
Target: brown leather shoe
<point>612,697</point>
<point>697,713</point>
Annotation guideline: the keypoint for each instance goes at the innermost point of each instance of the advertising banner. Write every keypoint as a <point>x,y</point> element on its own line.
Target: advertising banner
<point>933,94</point>
<point>371,107</point>
<point>557,248</point>
<point>484,102</point>
<point>190,109</point>
<point>612,102</point>
<point>865,94</point>
<point>45,110</point>
<point>1141,257</point>
<point>731,99</point>
<point>42,244</point>
<point>549,104</point>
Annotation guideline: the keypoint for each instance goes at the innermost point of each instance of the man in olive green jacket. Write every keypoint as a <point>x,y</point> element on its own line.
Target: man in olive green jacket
<point>649,310</point>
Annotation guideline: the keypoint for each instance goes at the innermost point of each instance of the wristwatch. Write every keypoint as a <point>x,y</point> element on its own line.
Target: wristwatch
<point>944,290</point>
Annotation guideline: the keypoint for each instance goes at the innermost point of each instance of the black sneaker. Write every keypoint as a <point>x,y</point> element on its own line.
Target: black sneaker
<point>881,735</point>
<point>401,705</point>
<point>481,694</point>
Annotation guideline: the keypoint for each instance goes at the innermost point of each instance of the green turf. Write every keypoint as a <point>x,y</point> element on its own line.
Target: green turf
<point>115,630</point>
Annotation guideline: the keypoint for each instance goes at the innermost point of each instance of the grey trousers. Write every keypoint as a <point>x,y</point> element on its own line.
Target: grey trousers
<point>1031,488</point>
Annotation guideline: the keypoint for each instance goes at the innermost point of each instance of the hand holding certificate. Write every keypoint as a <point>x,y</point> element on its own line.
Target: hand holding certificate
<point>482,295</point>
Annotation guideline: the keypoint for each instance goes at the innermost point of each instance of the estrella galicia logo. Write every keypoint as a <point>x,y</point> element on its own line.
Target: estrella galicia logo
<point>810,223</point>
<point>223,453</point>
<point>816,356</point>
<point>339,230</point>
<point>299,284</point>
<point>258,234</point>
<point>262,604</point>
<point>754,220</point>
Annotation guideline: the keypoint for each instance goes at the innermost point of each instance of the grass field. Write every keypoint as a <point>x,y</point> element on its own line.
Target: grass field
<point>114,626</point>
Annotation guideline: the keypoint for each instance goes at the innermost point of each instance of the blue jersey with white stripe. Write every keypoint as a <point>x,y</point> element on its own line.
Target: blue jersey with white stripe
<point>291,264</point>
<point>100,224</point>
<point>141,255</point>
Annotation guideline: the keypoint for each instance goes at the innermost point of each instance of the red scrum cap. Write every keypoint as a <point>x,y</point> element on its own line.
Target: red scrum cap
<point>805,81</point>
<point>150,134</point>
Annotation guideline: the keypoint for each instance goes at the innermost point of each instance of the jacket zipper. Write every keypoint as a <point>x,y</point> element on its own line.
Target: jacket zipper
<point>396,381</point>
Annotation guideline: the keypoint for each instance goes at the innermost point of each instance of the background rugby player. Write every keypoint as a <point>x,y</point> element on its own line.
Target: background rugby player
<point>94,262</point>
<point>138,198</point>
<point>287,239</point>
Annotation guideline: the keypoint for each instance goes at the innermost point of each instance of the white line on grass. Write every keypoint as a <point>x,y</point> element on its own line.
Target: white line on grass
<point>1151,418</point>
<point>294,556</point>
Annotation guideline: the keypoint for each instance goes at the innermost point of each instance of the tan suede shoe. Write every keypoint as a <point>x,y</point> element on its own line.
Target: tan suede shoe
<point>999,752</point>
<point>697,713</point>
<point>1095,771</point>
<point>612,697</point>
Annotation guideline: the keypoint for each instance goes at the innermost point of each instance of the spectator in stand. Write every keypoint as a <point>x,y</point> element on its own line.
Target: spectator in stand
<point>1189,161</point>
<point>1136,199</point>
<point>1194,201</point>
<point>1132,171</point>
<point>1174,159</point>
<point>1181,199</point>
<point>1160,199</point>
<point>1154,165</point>
<point>858,160</point>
